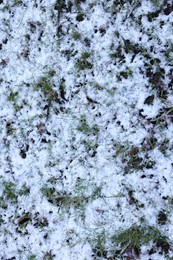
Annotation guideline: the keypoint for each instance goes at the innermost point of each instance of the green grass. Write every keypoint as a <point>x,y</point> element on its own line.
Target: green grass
<point>129,239</point>
<point>135,236</point>
<point>12,96</point>
<point>76,35</point>
<point>60,199</point>
<point>156,3</point>
<point>32,257</point>
<point>85,192</point>
<point>99,246</point>
<point>11,193</point>
<point>84,62</point>
<point>85,128</point>
<point>44,84</point>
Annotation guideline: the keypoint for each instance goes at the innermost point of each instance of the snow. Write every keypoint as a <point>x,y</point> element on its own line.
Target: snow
<point>84,155</point>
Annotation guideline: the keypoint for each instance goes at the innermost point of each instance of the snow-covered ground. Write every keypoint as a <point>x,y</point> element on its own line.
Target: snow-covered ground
<point>86,129</point>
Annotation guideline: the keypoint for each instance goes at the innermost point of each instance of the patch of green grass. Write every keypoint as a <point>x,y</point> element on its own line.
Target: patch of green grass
<point>92,4</point>
<point>9,128</point>
<point>137,163</point>
<point>51,73</point>
<point>98,86</point>
<point>118,53</point>
<point>11,193</point>
<point>17,2</point>
<point>17,107</point>
<point>137,236</point>
<point>132,158</point>
<point>163,147</point>
<point>44,85</point>
<point>24,190</point>
<point>134,163</point>
<point>91,147</point>
<point>124,74</point>
<point>85,128</point>
<point>149,144</point>
<point>1,220</point>
<point>120,149</point>
<point>80,17</point>
<point>32,257</point>
<point>84,62</point>
<point>84,192</point>
<point>61,199</point>
<point>50,193</point>
<point>76,35</point>
<point>12,96</point>
<point>169,53</point>
<point>98,247</point>
<point>156,3</point>
<point>111,91</point>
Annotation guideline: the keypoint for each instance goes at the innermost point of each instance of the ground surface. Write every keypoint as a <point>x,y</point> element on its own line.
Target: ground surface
<point>86,129</point>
